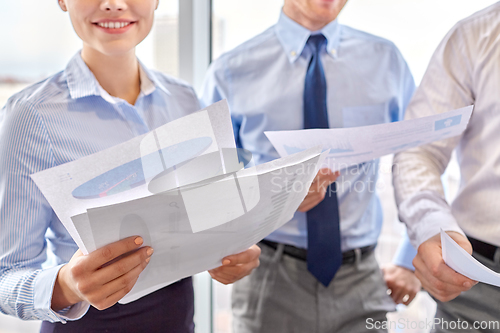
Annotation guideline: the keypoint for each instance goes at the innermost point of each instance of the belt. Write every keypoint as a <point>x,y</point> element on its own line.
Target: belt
<point>484,249</point>
<point>348,257</point>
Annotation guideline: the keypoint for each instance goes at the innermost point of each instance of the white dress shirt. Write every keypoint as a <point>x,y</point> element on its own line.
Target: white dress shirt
<point>464,70</point>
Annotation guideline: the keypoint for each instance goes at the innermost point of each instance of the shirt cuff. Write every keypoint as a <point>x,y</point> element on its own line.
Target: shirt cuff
<point>431,225</point>
<point>405,254</point>
<point>425,214</point>
<point>44,287</point>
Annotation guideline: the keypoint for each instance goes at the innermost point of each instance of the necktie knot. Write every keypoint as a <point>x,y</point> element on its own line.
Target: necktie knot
<point>316,42</point>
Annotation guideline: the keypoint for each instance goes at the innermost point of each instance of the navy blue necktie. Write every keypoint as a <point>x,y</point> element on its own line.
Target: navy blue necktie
<point>324,256</point>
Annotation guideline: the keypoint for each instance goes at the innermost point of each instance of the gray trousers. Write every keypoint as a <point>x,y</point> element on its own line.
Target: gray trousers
<point>282,296</point>
<point>479,306</point>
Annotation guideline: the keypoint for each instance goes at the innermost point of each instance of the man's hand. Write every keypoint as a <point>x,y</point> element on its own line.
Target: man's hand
<point>318,188</point>
<point>237,266</point>
<point>437,278</point>
<point>103,277</point>
<point>402,283</point>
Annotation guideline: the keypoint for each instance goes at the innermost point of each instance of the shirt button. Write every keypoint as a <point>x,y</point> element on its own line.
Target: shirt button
<point>293,53</point>
<point>334,52</point>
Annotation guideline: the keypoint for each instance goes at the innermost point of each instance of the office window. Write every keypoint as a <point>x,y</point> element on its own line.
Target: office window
<point>235,21</point>
<point>38,40</point>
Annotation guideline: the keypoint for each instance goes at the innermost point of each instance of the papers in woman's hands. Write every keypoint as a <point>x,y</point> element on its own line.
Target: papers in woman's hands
<point>182,187</point>
<point>462,262</point>
<point>124,172</point>
<point>351,146</point>
<point>163,222</point>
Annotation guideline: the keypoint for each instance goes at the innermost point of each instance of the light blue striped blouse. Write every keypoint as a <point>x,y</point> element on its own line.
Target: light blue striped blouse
<point>58,120</point>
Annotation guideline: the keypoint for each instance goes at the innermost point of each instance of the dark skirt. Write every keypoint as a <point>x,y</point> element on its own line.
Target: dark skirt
<point>170,309</point>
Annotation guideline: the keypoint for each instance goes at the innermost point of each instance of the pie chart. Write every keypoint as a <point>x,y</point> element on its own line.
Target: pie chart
<point>131,174</point>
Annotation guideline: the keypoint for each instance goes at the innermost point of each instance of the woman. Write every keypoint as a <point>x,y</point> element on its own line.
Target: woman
<point>102,98</point>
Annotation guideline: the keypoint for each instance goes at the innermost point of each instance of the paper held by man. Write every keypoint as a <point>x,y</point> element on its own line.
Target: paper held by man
<point>351,146</point>
<point>462,262</point>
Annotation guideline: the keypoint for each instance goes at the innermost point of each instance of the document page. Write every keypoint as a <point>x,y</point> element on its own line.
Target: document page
<point>185,188</point>
<point>270,195</point>
<point>351,146</point>
<point>123,172</point>
<point>462,262</point>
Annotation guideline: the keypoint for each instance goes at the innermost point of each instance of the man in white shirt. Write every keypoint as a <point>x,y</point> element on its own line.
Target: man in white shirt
<point>464,70</point>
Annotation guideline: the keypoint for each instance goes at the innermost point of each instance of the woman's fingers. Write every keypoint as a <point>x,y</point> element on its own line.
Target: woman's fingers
<point>244,257</point>
<point>123,266</point>
<point>112,251</point>
<point>237,266</point>
<point>104,272</point>
<point>228,275</point>
<point>113,291</point>
<point>119,288</point>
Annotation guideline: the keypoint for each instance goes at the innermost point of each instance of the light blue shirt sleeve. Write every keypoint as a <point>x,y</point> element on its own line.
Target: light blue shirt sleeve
<point>405,254</point>
<point>25,216</point>
<point>211,91</point>
<point>217,81</point>
<point>407,88</point>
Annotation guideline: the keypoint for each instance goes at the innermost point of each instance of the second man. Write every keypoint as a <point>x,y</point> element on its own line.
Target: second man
<point>318,273</point>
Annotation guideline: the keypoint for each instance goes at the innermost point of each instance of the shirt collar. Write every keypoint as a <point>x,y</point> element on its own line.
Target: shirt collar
<point>82,82</point>
<point>293,37</point>
<point>149,80</point>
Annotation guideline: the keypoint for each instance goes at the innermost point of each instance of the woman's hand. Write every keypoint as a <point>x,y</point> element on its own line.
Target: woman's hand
<point>103,277</point>
<point>237,266</point>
